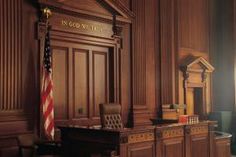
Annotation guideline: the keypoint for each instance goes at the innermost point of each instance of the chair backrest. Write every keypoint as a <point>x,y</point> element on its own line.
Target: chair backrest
<point>27,139</point>
<point>110,115</point>
<point>26,143</point>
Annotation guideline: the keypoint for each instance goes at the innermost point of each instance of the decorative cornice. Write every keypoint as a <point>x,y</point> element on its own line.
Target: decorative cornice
<point>119,7</point>
<point>205,65</point>
<point>114,7</point>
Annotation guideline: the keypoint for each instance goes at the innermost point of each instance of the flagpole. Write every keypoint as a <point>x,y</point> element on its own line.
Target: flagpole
<point>46,14</point>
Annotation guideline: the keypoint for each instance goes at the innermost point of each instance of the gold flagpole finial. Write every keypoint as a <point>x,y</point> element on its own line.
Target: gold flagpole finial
<point>47,13</point>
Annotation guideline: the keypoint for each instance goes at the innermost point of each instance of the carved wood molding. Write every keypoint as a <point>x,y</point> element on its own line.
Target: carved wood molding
<point>141,137</point>
<point>195,130</point>
<point>196,65</point>
<point>170,133</point>
<point>119,7</point>
<point>123,14</point>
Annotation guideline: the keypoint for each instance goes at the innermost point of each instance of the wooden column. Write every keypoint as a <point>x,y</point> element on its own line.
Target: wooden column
<point>144,61</point>
<point>168,37</point>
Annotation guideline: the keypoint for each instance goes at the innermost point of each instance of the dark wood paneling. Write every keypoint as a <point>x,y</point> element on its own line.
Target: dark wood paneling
<point>168,37</point>
<point>11,55</point>
<point>193,39</point>
<point>197,140</point>
<point>81,87</point>
<point>144,61</point>
<point>151,53</point>
<point>9,152</point>
<point>170,141</point>
<point>18,73</point>
<point>125,87</point>
<point>100,80</point>
<point>81,81</point>
<point>199,146</point>
<point>194,22</point>
<point>60,81</point>
<point>222,147</point>
<point>87,5</point>
<point>173,147</point>
<point>142,149</point>
<point>126,3</point>
<point>138,54</point>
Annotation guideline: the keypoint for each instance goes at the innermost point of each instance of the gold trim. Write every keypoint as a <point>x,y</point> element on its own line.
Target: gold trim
<point>198,130</point>
<point>142,137</point>
<point>173,133</point>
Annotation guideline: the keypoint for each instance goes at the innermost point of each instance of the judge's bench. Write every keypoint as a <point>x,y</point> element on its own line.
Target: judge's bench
<point>164,140</point>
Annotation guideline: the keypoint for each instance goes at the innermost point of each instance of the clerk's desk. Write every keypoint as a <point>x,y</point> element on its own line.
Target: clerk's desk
<point>171,140</point>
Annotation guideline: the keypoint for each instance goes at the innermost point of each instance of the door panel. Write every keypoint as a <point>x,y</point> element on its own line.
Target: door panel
<point>173,147</point>
<point>81,83</point>
<point>100,83</point>
<point>199,146</point>
<point>60,82</point>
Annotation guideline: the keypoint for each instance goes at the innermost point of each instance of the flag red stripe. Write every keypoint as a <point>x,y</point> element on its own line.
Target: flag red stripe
<point>49,109</point>
<point>46,92</point>
<point>49,88</point>
<point>50,127</point>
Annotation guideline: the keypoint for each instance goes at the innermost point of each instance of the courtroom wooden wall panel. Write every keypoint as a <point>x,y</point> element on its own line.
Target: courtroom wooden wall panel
<point>193,41</point>
<point>145,73</point>
<point>81,87</point>
<point>126,3</point>
<point>125,80</point>
<point>138,54</point>
<point>194,25</point>
<point>60,83</point>
<point>151,51</point>
<point>168,54</point>
<point>100,80</point>
<point>81,81</point>
<point>11,56</point>
<point>18,73</point>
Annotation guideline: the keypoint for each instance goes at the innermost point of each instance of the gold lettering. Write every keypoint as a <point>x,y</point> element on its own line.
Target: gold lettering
<point>70,24</point>
<point>64,23</point>
<point>77,25</point>
<point>83,26</point>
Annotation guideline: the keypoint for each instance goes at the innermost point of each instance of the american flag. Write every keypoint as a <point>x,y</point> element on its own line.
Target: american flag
<point>47,91</point>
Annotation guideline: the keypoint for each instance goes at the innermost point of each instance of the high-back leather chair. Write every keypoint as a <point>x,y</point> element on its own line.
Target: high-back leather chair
<point>110,115</point>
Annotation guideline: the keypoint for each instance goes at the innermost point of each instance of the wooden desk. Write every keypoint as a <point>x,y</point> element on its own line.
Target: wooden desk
<point>179,140</point>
